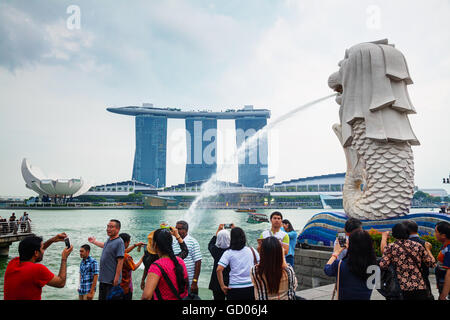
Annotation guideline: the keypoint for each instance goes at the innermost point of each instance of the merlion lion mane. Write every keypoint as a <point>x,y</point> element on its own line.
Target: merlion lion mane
<point>375,131</point>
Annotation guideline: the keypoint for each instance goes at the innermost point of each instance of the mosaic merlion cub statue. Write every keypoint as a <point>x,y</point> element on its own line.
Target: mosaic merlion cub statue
<point>375,131</point>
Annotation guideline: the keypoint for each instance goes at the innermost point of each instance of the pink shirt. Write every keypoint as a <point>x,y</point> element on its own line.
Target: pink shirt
<point>169,268</point>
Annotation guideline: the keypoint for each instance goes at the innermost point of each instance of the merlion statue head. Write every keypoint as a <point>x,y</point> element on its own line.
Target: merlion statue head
<point>372,85</point>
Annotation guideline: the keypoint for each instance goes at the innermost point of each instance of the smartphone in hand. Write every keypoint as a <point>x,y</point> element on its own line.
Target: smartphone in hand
<point>342,240</point>
<point>67,241</point>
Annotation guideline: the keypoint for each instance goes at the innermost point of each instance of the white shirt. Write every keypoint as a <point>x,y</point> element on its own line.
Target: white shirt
<point>240,262</point>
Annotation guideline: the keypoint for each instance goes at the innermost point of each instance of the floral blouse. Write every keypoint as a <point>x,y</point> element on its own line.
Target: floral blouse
<point>408,272</point>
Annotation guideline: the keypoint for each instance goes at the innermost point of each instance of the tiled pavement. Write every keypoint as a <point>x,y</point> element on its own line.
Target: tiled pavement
<point>326,292</point>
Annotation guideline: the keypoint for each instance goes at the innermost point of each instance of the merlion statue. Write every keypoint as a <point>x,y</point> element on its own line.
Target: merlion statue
<point>375,131</point>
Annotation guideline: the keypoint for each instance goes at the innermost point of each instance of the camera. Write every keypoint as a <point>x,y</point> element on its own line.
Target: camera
<point>227,225</point>
<point>342,239</point>
<point>164,225</point>
<point>67,241</point>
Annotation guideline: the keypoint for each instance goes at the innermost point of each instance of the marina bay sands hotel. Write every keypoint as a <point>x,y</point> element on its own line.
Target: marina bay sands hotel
<point>201,143</point>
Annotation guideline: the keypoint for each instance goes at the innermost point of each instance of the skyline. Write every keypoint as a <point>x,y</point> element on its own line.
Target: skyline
<point>57,81</point>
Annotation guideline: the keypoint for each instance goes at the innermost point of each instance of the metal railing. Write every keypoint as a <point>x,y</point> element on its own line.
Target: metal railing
<point>11,228</point>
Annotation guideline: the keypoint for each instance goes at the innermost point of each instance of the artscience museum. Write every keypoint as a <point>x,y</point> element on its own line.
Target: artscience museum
<point>37,181</point>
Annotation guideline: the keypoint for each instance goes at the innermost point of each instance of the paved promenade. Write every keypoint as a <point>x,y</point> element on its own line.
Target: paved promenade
<point>326,292</point>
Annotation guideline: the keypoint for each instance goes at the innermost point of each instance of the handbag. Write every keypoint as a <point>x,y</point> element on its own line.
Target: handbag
<point>190,296</point>
<point>389,286</point>
<point>336,286</point>
<point>116,293</point>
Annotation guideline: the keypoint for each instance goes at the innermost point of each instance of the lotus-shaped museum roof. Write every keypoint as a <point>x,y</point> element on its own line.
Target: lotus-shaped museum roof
<point>37,181</point>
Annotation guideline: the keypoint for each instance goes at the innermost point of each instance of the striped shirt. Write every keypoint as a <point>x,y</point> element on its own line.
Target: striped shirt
<point>286,291</point>
<point>88,268</point>
<point>193,256</point>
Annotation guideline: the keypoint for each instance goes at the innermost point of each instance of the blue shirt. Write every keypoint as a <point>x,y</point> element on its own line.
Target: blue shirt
<point>292,242</point>
<point>88,268</point>
<point>350,286</point>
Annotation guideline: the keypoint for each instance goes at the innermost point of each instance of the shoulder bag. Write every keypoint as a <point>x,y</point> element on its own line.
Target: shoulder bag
<point>336,286</point>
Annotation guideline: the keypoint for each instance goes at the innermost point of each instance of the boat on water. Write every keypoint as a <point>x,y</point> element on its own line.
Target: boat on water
<point>245,210</point>
<point>254,217</point>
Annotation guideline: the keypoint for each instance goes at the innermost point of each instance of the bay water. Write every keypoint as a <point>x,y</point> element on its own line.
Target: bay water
<point>80,224</point>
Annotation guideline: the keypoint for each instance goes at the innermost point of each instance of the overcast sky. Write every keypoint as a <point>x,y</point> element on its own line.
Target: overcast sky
<point>57,79</point>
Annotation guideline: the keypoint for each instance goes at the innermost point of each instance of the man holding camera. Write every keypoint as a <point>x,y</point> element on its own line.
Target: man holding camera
<point>25,276</point>
<point>193,260</point>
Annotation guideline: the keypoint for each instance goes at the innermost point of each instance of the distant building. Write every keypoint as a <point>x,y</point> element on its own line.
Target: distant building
<point>436,192</point>
<point>37,181</point>
<point>330,183</point>
<point>201,140</point>
<point>122,188</point>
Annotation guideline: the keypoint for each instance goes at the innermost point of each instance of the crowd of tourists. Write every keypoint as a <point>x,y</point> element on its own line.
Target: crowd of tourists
<point>408,258</point>
<point>13,224</point>
<point>172,262</point>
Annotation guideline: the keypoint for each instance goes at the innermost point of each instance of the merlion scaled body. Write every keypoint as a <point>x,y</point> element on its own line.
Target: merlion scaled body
<point>375,131</point>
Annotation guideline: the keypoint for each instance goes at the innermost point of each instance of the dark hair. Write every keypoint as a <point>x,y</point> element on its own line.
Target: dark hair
<point>400,231</point>
<point>28,246</point>
<point>352,224</point>
<point>360,254</point>
<point>444,228</point>
<point>276,213</point>
<point>237,239</point>
<point>290,227</point>
<point>125,237</point>
<point>163,242</point>
<point>411,226</point>
<point>117,223</point>
<point>270,263</point>
<point>86,247</point>
<point>184,224</point>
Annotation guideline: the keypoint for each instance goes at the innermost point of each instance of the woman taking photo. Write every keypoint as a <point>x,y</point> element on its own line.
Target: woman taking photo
<point>169,267</point>
<point>408,257</point>
<point>351,271</point>
<point>151,256</point>
<point>217,246</point>
<point>273,278</point>
<point>240,258</point>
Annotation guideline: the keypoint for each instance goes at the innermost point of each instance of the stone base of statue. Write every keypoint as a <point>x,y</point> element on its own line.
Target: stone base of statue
<point>322,228</point>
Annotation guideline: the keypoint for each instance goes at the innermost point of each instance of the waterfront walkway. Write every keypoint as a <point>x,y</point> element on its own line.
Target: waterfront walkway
<point>326,292</point>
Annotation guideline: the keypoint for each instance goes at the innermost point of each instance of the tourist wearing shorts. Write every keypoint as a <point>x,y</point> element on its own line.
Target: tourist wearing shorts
<point>88,274</point>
